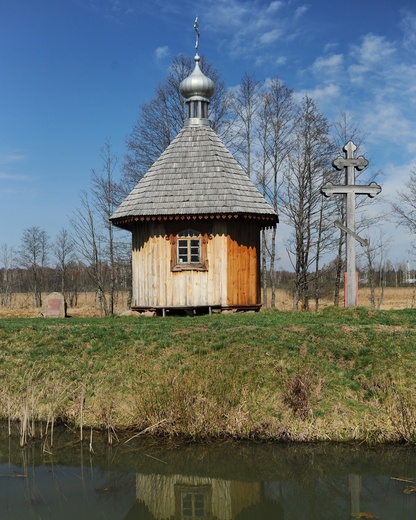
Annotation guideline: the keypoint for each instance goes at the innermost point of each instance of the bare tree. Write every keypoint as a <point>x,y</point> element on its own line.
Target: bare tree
<point>161,119</point>
<point>375,255</point>
<point>33,256</point>
<point>94,235</point>
<point>106,196</point>
<point>88,240</point>
<point>302,198</point>
<point>262,167</point>
<point>6,282</point>
<point>244,103</point>
<point>275,131</point>
<point>405,209</point>
<point>64,251</point>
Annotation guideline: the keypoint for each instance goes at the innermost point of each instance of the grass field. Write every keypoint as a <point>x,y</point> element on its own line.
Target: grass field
<point>338,375</point>
<point>393,298</point>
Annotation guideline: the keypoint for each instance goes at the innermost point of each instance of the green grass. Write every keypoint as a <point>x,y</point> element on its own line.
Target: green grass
<point>334,375</point>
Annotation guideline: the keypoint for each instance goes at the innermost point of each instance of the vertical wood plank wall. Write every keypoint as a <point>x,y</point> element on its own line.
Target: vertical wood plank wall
<point>243,244</point>
<point>232,279</point>
<point>155,285</point>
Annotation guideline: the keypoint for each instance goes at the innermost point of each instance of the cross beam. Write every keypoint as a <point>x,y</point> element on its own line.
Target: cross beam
<point>359,239</point>
<point>371,190</point>
<point>350,163</point>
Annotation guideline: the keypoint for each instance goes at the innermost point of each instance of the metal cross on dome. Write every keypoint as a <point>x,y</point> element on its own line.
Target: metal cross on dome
<point>350,163</point>
<point>196,27</point>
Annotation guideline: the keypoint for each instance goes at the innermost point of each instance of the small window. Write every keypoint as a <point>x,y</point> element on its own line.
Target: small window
<point>193,502</point>
<point>189,247</point>
<point>189,250</point>
<point>193,505</point>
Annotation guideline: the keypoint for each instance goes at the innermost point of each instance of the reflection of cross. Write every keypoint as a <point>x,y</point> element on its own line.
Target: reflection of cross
<point>350,190</point>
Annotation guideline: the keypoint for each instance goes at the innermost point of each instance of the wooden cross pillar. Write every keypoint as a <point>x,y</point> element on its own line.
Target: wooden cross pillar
<point>350,190</point>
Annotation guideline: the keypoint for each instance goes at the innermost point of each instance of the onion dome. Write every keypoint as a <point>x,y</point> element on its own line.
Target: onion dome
<point>197,89</point>
<point>197,84</point>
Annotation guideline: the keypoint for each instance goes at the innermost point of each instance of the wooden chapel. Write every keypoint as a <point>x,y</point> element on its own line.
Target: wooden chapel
<point>196,220</point>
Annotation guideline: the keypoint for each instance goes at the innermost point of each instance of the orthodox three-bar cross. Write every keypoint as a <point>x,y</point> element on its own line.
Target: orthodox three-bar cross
<point>350,190</point>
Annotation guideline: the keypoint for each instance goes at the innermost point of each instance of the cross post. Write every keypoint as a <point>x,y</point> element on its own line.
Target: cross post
<point>350,163</point>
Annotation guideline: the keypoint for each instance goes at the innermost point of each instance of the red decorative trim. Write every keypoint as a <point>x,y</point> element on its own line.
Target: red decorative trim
<point>124,222</point>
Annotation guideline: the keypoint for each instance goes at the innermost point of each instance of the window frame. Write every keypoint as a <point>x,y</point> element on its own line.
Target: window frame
<point>201,234</point>
<point>189,247</point>
<point>183,491</point>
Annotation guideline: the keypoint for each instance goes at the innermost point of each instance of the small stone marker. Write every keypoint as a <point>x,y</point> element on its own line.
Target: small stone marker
<point>55,306</point>
<point>350,163</point>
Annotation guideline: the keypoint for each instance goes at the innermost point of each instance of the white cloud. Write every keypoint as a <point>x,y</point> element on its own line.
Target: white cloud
<point>275,6</point>
<point>268,59</point>
<point>301,10</point>
<point>162,52</point>
<point>330,47</point>
<point>373,50</point>
<point>229,15</point>
<point>281,60</point>
<point>396,177</point>
<point>8,157</point>
<point>374,57</point>
<point>10,161</point>
<point>270,36</point>
<point>328,64</point>
<point>409,30</point>
<point>250,25</point>
<point>6,176</point>
<point>324,94</point>
<point>411,148</point>
<point>114,10</point>
<point>387,122</point>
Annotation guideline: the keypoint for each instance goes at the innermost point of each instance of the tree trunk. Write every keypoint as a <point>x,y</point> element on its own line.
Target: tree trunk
<point>272,268</point>
<point>264,266</point>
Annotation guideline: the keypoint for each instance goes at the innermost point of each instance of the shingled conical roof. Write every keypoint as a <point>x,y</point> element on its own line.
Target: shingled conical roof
<point>196,176</point>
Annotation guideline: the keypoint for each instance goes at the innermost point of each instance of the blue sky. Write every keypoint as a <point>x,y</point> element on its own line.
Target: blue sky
<point>74,72</point>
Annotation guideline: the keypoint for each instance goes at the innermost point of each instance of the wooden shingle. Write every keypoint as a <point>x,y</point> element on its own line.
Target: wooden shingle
<point>195,176</point>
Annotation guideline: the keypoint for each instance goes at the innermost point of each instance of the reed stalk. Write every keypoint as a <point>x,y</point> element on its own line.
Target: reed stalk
<point>24,425</point>
<point>81,413</point>
<point>90,447</point>
<point>52,424</point>
<point>33,429</point>
<point>9,421</point>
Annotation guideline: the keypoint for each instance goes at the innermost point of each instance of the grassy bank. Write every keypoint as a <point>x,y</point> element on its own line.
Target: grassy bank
<point>335,375</point>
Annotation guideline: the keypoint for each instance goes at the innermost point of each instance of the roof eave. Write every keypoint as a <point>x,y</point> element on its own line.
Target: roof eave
<point>127,222</point>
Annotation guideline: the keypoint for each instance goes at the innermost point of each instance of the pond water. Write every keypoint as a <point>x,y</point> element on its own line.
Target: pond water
<point>141,480</point>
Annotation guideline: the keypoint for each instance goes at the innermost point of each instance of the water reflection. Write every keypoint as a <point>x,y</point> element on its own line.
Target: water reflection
<point>228,482</point>
<point>191,497</point>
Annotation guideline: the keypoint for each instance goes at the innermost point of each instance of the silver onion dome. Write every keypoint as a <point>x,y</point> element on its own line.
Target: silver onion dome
<point>197,89</point>
<point>197,84</point>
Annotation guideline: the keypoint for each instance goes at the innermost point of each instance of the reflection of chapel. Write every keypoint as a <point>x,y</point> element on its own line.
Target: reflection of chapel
<point>195,219</point>
<point>180,497</point>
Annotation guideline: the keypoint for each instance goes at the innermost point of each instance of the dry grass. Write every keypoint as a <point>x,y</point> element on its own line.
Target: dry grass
<point>21,306</point>
<point>394,298</point>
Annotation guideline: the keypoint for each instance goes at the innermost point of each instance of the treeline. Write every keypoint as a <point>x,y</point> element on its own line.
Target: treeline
<point>19,281</point>
<point>285,144</point>
<point>78,279</point>
<point>72,278</point>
